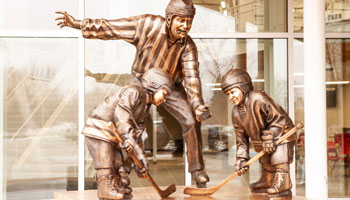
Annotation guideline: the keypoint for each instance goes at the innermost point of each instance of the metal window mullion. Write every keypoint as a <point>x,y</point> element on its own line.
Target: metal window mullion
<point>40,33</point>
<point>290,68</point>
<point>188,178</point>
<point>81,103</point>
<point>2,133</point>
<point>338,35</point>
<point>344,35</point>
<point>241,35</point>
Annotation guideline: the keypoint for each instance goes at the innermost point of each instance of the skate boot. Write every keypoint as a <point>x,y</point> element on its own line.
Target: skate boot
<point>201,178</point>
<point>281,185</point>
<point>126,182</point>
<point>265,181</point>
<point>109,186</point>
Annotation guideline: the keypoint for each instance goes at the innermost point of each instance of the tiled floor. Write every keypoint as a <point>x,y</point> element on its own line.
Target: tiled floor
<point>226,193</point>
<point>170,170</point>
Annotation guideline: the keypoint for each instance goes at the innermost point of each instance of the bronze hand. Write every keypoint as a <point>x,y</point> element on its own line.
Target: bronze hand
<point>67,20</point>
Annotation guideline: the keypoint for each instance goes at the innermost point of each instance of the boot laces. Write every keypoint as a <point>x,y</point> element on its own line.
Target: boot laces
<point>112,181</point>
<point>278,180</point>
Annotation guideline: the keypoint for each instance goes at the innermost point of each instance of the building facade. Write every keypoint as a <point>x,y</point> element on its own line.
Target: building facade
<point>52,78</point>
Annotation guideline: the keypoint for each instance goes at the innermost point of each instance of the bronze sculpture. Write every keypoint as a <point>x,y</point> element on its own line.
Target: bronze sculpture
<point>256,116</point>
<point>162,43</point>
<point>122,115</point>
<point>212,190</point>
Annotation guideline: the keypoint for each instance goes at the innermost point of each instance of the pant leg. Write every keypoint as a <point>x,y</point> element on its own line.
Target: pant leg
<point>284,154</point>
<point>177,105</point>
<point>104,154</point>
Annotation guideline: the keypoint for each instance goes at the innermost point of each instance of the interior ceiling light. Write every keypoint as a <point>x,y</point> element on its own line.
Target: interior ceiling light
<point>223,4</point>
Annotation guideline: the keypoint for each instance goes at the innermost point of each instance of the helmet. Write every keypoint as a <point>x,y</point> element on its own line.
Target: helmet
<point>155,79</point>
<point>237,78</point>
<point>180,8</point>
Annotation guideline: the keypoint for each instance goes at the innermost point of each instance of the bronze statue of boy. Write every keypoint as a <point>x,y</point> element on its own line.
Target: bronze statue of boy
<point>123,113</point>
<point>256,116</point>
<point>162,43</point>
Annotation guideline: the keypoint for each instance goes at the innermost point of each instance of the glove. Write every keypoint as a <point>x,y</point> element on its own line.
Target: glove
<point>240,162</point>
<point>141,172</point>
<point>268,142</point>
<point>202,113</point>
<point>129,144</point>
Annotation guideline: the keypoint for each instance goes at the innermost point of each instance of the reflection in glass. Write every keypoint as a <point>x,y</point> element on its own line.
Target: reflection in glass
<point>337,15</point>
<point>266,62</point>
<point>338,117</point>
<point>211,16</point>
<point>26,15</point>
<point>242,15</point>
<point>41,116</point>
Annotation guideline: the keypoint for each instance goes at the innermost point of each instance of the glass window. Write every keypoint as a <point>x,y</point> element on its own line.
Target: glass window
<point>266,62</point>
<point>233,16</point>
<point>338,118</point>
<point>41,116</point>
<point>115,9</point>
<point>240,16</point>
<point>337,15</point>
<point>33,15</point>
<point>298,15</point>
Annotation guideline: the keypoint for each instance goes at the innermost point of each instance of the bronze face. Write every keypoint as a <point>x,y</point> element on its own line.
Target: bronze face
<point>235,96</point>
<point>180,27</point>
<point>159,97</point>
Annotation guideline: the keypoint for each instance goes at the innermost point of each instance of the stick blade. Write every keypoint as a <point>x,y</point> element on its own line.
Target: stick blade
<point>199,191</point>
<point>167,192</point>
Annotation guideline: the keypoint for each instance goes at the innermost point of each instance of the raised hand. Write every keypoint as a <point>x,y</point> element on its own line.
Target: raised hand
<point>67,20</point>
<point>202,113</point>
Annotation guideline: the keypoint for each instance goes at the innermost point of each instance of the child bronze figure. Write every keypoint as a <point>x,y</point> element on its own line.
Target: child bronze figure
<point>256,116</point>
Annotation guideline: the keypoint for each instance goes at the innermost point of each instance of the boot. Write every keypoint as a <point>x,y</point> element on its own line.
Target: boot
<point>265,181</point>
<point>201,178</point>
<point>126,182</point>
<point>109,186</point>
<point>281,184</point>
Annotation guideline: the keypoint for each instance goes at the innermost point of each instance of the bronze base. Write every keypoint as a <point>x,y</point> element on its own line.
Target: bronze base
<point>284,194</point>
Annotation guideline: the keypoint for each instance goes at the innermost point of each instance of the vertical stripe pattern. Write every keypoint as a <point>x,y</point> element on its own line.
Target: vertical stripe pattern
<point>148,34</point>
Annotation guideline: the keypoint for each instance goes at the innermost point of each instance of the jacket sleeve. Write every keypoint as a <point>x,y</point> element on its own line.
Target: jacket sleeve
<point>123,114</point>
<point>242,140</point>
<point>126,28</point>
<point>277,120</point>
<point>190,70</point>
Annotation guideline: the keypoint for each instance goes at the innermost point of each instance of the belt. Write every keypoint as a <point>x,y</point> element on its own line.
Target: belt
<point>257,143</point>
<point>102,130</point>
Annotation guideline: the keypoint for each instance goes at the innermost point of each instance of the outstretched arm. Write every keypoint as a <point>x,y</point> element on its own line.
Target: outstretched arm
<point>67,20</point>
<point>192,82</point>
<point>105,29</point>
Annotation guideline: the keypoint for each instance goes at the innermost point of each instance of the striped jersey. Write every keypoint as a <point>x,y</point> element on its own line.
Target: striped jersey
<point>148,33</point>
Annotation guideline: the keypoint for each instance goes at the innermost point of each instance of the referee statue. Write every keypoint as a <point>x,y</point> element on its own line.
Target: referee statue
<point>162,43</point>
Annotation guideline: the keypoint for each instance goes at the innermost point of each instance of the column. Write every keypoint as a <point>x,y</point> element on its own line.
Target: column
<point>315,100</point>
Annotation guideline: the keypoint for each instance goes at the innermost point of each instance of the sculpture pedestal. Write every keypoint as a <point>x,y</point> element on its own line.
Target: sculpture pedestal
<point>148,193</point>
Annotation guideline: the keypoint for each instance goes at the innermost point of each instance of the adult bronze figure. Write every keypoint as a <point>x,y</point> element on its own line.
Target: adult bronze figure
<point>162,43</point>
<point>123,113</point>
<point>256,116</point>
